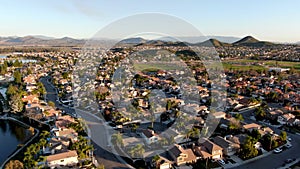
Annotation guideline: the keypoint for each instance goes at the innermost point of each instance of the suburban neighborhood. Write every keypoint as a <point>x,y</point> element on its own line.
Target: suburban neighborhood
<point>141,109</point>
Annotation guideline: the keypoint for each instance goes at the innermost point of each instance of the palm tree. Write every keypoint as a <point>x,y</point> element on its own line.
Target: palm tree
<point>155,160</point>
<point>117,139</point>
<point>163,142</point>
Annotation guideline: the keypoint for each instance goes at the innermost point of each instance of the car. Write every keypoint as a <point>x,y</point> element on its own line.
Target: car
<point>220,161</point>
<point>277,150</point>
<point>289,160</point>
<point>288,145</point>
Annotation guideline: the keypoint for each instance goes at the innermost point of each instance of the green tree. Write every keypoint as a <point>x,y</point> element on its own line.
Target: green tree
<point>41,89</point>
<point>155,160</point>
<point>16,104</point>
<point>239,117</point>
<point>255,134</point>
<point>283,135</point>
<point>13,164</point>
<point>17,77</point>
<point>51,103</point>
<point>163,141</point>
<point>247,149</point>
<point>260,113</point>
<point>117,139</point>
<point>11,90</point>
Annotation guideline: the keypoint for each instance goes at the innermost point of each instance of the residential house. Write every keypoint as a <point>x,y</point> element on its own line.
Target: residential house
<point>283,119</point>
<point>265,130</point>
<point>219,115</point>
<point>67,133</point>
<point>238,139</point>
<point>31,99</point>
<point>163,163</point>
<point>208,149</point>
<point>62,121</point>
<point>149,136</point>
<point>181,156</point>
<point>69,158</point>
<point>273,115</point>
<point>250,127</point>
<point>229,148</point>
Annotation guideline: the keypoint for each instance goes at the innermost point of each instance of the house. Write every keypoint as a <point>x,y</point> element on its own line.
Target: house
<point>181,156</point>
<point>219,115</point>
<point>30,79</point>
<point>149,136</point>
<point>238,139</point>
<point>250,127</point>
<point>273,115</point>
<point>62,121</point>
<point>163,163</point>
<point>56,145</point>
<point>283,119</point>
<point>229,148</point>
<point>208,149</point>
<point>68,158</point>
<point>67,133</point>
<point>31,99</point>
<point>265,130</point>
<point>293,122</point>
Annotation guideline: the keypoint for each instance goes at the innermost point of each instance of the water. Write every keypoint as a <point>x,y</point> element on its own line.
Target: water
<point>3,91</point>
<point>20,59</point>
<point>11,135</point>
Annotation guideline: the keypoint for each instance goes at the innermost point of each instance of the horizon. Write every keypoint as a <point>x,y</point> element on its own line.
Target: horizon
<point>272,21</point>
<point>204,38</point>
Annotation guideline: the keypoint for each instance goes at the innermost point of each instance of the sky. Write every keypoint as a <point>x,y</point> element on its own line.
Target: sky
<point>271,20</point>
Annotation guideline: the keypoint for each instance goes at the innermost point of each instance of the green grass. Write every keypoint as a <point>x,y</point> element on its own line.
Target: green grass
<point>241,64</point>
<point>158,66</point>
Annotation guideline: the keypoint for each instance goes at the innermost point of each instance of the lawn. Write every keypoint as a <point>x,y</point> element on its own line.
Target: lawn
<point>243,64</point>
<point>159,66</point>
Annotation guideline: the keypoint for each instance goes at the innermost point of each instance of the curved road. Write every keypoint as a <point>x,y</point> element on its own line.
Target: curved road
<point>97,129</point>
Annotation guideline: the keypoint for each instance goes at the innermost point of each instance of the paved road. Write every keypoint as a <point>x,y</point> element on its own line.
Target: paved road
<point>97,130</point>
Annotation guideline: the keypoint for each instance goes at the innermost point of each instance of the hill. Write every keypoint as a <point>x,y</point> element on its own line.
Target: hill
<point>252,42</point>
<point>39,41</point>
<point>212,42</point>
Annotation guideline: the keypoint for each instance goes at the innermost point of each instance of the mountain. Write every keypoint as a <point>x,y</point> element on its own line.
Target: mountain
<point>43,37</point>
<point>198,39</point>
<point>40,41</point>
<point>136,40</point>
<point>212,42</point>
<point>251,41</point>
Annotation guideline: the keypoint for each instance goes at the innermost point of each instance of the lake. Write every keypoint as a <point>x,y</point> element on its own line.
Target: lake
<point>11,135</point>
<point>20,59</point>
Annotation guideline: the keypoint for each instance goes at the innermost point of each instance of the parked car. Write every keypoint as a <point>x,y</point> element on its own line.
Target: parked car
<point>287,161</point>
<point>220,161</point>
<point>277,150</point>
<point>288,145</point>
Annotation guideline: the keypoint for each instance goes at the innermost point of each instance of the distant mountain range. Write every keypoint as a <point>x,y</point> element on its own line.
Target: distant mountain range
<point>246,41</point>
<point>217,41</point>
<point>40,41</point>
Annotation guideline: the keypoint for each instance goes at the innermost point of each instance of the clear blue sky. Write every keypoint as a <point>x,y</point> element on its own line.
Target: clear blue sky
<point>274,20</point>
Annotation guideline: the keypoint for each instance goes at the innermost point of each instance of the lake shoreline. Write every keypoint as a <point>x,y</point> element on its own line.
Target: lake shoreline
<point>28,138</point>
